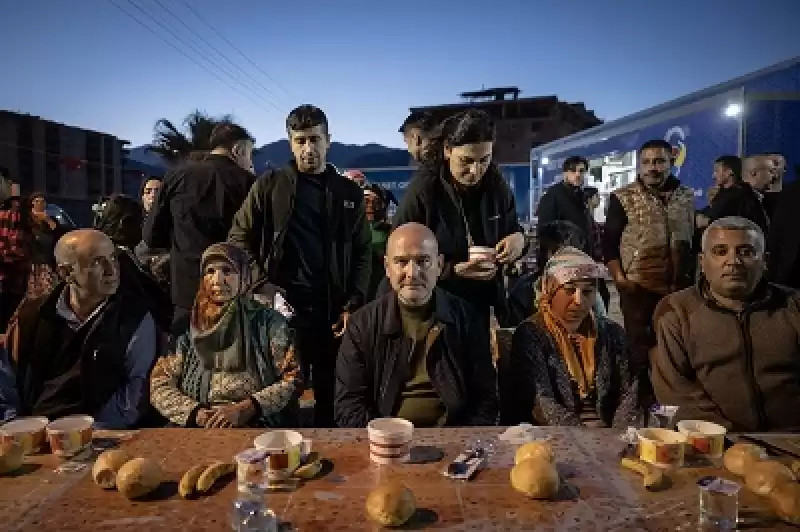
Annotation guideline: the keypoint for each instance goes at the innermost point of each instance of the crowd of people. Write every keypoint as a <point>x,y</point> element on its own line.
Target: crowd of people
<point>216,299</point>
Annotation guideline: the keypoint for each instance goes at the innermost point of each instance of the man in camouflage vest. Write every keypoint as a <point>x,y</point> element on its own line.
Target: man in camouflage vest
<point>647,245</point>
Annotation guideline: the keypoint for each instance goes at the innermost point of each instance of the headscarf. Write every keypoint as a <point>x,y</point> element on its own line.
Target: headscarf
<point>224,344</point>
<point>577,349</point>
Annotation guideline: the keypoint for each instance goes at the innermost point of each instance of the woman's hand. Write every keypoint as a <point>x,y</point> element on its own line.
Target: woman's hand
<point>475,270</point>
<point>231,415</point>
<point>510,248</point>
<point>202,416</point>
<point>43,217</point>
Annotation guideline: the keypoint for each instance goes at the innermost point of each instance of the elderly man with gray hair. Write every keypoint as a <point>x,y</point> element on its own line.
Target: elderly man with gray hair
<point>729,348</point>
<point>85,348</point>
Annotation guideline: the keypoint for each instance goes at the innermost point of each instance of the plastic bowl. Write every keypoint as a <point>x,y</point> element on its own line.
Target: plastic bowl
<point>70,435</point>
<point>29,432</point>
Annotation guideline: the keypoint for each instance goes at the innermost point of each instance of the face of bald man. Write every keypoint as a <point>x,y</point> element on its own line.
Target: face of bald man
<point>413,264</point>
<point>91,268</point>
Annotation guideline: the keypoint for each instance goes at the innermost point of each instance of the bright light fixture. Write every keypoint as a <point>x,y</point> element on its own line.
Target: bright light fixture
<point>545,160</point>
<point>733,109</point>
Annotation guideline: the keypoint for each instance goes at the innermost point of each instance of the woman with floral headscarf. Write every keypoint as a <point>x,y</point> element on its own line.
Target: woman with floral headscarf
<point>567,365</point>
<point>236,366</point>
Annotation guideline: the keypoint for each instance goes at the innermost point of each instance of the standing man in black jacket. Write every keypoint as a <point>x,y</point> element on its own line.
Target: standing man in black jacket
<point>194,209</point>
<point>737,196</point>
<point>566,202</point>
<point>306,228</point>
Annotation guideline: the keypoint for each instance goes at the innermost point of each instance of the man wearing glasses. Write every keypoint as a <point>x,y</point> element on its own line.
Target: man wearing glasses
<point>647,245</point>
<point>565,201</point>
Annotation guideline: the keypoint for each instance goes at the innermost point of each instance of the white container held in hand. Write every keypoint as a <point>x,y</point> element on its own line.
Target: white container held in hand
<point>485,255</point>
<point>390,440</point>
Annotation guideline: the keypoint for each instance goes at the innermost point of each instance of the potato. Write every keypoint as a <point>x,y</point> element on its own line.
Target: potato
<point>104,471</point>
<point>785,499</point>
<point>763,477</point>
<point>391,504</point>
<point>535,449</point>
<point>741,456</point>
<point>138,477</point>
<point>12,456</point>
<point>536,477</point>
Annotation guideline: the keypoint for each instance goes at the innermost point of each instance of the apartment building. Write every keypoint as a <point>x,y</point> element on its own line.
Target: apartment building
<point>71,165</point>
<point>521,123</point>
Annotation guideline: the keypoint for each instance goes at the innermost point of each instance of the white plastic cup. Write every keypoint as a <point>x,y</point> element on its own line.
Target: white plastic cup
<point>390,440</point>
<point>285,449</point>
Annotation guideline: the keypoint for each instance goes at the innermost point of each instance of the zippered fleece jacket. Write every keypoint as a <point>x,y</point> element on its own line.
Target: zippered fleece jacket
<point>740,370</point>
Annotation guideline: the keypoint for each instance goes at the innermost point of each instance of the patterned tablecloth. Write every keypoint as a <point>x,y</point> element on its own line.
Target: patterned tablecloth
<point>599,495</point>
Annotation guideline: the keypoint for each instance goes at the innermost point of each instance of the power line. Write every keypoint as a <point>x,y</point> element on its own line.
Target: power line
<point>214,48</point>
<point>253,63</point>
<point>213,63</point>
<point>182,52</point>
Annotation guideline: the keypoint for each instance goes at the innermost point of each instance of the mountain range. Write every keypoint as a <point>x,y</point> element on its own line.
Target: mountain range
<point>277,153</point>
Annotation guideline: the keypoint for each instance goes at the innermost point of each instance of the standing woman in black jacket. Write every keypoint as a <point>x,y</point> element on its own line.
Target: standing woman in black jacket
<point>464,199</point>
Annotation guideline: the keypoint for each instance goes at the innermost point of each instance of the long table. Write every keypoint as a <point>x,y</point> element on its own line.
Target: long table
<point>599,495</point>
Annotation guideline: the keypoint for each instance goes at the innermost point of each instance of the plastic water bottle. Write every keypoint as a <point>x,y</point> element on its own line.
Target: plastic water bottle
<point>251,514</point>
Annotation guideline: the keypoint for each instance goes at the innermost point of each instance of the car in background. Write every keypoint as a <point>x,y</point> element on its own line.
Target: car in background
<point>60,215</point>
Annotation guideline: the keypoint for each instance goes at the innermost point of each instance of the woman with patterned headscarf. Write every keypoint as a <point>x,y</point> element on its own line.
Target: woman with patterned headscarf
<point>567,365</point>
<point>236,366</point>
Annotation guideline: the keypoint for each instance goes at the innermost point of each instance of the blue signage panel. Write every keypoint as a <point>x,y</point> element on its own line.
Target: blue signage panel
<point>773,126</point>
<point>697,139</point>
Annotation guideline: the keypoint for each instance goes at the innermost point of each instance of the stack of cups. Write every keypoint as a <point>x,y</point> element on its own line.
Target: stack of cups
<point>390,440</point>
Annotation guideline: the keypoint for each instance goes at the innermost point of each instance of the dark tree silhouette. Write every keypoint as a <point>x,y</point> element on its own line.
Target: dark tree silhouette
<point>175,144</point>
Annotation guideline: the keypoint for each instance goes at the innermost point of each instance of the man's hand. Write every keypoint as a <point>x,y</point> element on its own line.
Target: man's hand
<point>623,283</point>
<point>510,248</point>
<point>44,217</point>
<point>159,267</point>
<point>340,326</point>
<point>232,415</point>
<point>475,270</point>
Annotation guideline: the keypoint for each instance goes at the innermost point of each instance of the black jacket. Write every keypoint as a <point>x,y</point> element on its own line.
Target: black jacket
<point>566,203</point>
<point>46,348</point>
<point>373,364</point>
<point>783,242</point>
<point>739,200</point>
<point>193,210</point>
<point>431,200</point>
<point>260,227</point>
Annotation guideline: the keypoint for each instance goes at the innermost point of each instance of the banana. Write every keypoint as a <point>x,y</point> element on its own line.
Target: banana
<point>186,488</point>
<point>311,468</point>
<point>214,472</point>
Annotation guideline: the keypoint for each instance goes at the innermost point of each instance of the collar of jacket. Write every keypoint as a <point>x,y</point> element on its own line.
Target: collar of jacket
<point>765,296</point>
<point>49,306</point>
<point>293,171</point>
<point>671,184</point>
<point>491,177</point>
<point>442,313</point>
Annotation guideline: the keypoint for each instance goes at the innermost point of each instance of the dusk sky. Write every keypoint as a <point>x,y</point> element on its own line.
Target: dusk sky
<point>88,64</point>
